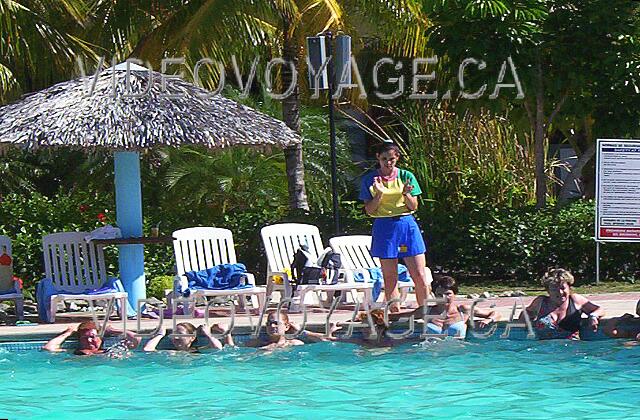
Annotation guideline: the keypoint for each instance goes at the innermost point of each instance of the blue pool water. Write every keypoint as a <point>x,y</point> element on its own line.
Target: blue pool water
<point>490,379</point>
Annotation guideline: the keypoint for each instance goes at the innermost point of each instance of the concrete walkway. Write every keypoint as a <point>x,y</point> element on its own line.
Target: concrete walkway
<point>615,304</point>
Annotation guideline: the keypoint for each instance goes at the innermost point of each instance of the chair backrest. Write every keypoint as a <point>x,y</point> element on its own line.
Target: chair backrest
<point>73,264</point>
<point>355,251</point>
<point>198,248</point>
<point>5,245</point>
<point>283,240</point>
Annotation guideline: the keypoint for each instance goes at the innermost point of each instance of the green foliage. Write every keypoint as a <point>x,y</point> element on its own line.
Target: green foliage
<point>465,161</point>
<point>26,219</point>
<point>157,286</point>
<point>520,244</point>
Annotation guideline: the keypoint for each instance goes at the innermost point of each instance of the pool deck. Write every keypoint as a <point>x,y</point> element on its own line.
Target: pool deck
<point>615,304</point>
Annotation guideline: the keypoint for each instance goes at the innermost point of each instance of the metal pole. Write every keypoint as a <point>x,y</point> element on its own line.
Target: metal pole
<point>332,134</point>
<point>597,262</point>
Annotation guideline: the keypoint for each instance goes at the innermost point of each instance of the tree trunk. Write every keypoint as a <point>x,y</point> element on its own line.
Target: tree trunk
<point>291,116</point>
<point>576,173</point>
<point>539,142</point>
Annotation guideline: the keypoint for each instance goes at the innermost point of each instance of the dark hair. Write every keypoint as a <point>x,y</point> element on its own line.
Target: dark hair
<point>191,329</point>
<point>387,146</point>
<point>444,283</point>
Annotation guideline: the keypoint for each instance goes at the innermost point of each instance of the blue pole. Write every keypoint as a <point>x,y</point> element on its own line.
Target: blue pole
<point>129,217</point>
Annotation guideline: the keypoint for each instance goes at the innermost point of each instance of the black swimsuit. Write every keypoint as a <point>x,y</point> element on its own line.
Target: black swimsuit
<point>569,324</point>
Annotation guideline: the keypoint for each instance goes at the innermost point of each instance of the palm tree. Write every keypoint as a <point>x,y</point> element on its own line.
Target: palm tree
<point>38,41</point>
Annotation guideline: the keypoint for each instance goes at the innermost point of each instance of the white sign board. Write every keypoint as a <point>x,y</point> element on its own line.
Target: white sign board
<point>618,190</point>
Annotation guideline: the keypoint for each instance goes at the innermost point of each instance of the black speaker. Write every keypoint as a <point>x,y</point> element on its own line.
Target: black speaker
<point>317,52</point>
<point>343,59</point>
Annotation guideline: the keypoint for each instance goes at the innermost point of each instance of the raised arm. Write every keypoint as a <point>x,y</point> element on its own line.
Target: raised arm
<point>54,344</point>
<point>410,201</point>
<point>213,342</point>
<point>370,206</point>
<point>131,340</point>
<point>155,340</point>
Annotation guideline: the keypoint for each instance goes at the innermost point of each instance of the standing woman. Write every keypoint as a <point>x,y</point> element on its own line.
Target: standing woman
<point>390,197</point>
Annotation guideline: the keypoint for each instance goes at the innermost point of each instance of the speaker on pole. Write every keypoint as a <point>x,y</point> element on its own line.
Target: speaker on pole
<point>318,54</point>
<point>343,60</point>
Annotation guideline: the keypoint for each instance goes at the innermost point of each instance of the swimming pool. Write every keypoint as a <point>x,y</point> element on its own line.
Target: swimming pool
<point>490,379</point>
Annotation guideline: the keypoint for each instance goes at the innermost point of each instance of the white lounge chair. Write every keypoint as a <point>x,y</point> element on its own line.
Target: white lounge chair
<point>355,253</point>
<point>16,296</point>
<point>281,242</point>
<point>199,248</point>
<point>75,266</point>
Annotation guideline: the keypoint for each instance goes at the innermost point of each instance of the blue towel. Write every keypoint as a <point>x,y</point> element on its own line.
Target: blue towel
<point>219,277</point>
<point>376,277</point>
<point>45,289</point>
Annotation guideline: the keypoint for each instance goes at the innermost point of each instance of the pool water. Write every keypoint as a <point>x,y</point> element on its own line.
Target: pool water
<point>488,379</point>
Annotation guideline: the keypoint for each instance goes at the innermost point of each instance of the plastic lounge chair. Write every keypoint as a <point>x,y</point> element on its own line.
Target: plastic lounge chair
<point>75,266</point>
<point>199,248</point>
<point>356,258</point>
<point>16,296</point>
<point>281,242</point>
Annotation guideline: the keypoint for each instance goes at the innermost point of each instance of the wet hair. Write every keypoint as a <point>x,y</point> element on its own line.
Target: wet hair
<point>444,283</point>
<point>557,276</point>
<point>283,314</point>
<point>87,325</point>
<point>191,329</point>
<point>386,147</point>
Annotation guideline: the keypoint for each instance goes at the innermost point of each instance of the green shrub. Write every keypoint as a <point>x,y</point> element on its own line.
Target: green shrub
<point>157,286</point>
<point>520,244</point>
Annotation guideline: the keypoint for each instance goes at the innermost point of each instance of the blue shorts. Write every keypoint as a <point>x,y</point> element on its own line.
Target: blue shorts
<point>396,237</point>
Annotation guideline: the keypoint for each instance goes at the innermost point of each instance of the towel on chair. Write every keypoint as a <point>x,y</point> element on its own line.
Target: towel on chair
<point>45,289</point>
<point>375,274</point>
<point>219,277</point>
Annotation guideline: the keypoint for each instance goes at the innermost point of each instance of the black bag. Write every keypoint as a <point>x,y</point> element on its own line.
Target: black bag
<point>303,270</point>
<point>330,264</point>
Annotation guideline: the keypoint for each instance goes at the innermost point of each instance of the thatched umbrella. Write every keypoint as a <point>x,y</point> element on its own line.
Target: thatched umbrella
<point>128,111</point>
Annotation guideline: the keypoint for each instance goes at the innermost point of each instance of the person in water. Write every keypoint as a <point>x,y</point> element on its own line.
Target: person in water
<point>185,337</point>
<point>559,314</point>
<point>625,326</point>
<point>89,340</point>
<point>277,330</point>
<point>454,317</point>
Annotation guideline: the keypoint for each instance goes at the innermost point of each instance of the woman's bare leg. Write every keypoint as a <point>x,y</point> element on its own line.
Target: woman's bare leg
<point>390,276</point>
<point>416,265</point>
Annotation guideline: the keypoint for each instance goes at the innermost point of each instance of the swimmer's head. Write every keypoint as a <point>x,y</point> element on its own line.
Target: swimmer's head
<point>184,335</point>
<point>444,287</point>
<point>89,341</point>
<point>275,329</point>
<point>558,282</point>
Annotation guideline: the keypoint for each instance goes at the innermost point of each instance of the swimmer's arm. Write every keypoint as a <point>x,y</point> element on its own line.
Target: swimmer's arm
<point>220,328</point>
<point>132,341</point>
<point>213,342</point>
<point>588,307</point>
<point>533,309</point>
<point>489,315</point>
<point>155,340</point>
<point>54,344</point>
